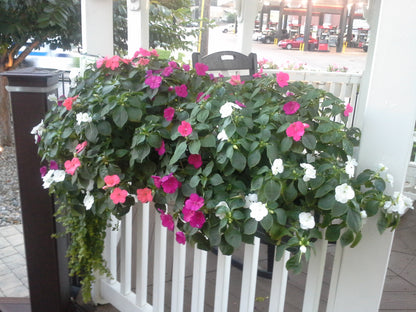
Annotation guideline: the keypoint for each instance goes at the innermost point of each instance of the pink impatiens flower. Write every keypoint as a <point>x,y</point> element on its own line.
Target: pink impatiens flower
<point>291,107</point>
<point>185,128</point>
<point>111,180</point>
<point>161,150</point>
<point>181,91</point>
<point>144,195</point>
<point>180,237</point>
<point>194,202</point>
<point>80,147</point>
<point>69,101</point>
<point>195,160</point>
<point>199,96</point>
<point>173,64</point>
<point>72,165</point>
<point>235,80</point>
<point>186,67</point>
<point>201,69</point>
<point>170,184</point>
<point>240,104</point>
<point>43,170</point>
<point>296,130</point>
<point>167,220</point>
<point>157,181</point>
<point>143,61</point>
<point>167,71</point>
<point>196,219</point>
<point>53,165</point>
<point>118,196</point>
<point>282,79</point>
<point>168,113</point>
<point>348,110</point>
<point>153,81</point>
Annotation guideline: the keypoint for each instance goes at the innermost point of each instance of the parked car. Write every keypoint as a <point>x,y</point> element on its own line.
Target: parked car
<point>268,37</point>
<point>229,28</point>
<point>295,43</point>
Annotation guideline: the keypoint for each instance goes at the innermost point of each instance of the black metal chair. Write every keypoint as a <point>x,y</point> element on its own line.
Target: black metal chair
<point>229,63</point>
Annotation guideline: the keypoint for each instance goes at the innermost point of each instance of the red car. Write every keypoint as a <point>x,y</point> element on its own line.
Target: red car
<point>295,43</point>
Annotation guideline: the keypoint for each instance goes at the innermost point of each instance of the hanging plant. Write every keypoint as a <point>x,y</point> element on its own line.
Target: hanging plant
<point>237,159</point>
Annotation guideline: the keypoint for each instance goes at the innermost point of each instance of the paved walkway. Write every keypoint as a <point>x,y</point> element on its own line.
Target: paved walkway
<point>13,274</point>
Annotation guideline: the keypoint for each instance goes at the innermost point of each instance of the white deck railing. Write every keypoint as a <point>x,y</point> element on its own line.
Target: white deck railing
<point>146,261</point>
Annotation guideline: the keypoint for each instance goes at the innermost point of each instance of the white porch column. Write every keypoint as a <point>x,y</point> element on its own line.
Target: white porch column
<point>246,15</point>
<point>137,25</point>
<point>387,113</point>
<point>97,27</point>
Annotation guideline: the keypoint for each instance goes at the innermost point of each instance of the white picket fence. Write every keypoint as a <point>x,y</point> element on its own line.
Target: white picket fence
<point>152,272</point>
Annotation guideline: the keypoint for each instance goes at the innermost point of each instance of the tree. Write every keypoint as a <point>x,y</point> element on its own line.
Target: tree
<point>26,25</point>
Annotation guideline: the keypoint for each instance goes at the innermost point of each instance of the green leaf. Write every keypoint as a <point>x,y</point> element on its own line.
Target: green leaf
<point>309,141</point>
<point>281,216</point>
<point>233,237</point>
<point>272,152</point>
<point>272,190</point>
<point>267,222</point>
<point>208,141</point>
<point>238,161</point>
<point>238,215</point>
<point>194,147</point>
<point>134,114</point>
<point>216,179</point>
<point>194,181</point>
<point>250,227</point>
<point>324,127</point>
<point>380,185</point>
<point>104,128</point>
<point>253,158</point>
<point>256,183</point>
<point>333,232</point>
<point>91,132</point>
<point>143,151</point>
<point>354,220</point>
<point>347,238</point>
<point>323,190</point>
<point>286,144</point>
<point>327,202</point>
<point>180,149</point>
<point>290,193</point>
<point>120,116</point>
<point>154,140</point>
<point>202,115</point>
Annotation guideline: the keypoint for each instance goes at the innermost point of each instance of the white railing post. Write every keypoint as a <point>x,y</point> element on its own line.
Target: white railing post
<point>126,252</point>
<point>159,265</point>
<point>279,283</point>
<point>198,281</point>
<point>178,276</point>
<point>222,282</point>
<point>142,217</point>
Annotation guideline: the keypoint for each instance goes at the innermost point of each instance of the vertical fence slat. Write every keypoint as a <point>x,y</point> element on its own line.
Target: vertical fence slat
<point>178,276</point>
<point>159,265</point>
<point>222,282</point>
<point>315,276</point>
<point>125,254</point>
<point>353,103</point>
<point>113,249</point>
<point>336,267</point>
<point>248,284</point>
<point>198,281</point>
<point>279,283</point>
<point>142,218</point>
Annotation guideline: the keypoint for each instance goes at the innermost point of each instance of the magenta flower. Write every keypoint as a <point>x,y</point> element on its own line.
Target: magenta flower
<point>80,147</point>
<point>240,104</point>
<point>170,184</point>
<point>186,67</point>
<point>143,61</point>
<point>194,202</point>
<point>157,181</point>
<point>201,69</point>
<point>167,71</point>
<point>43,170</point>
<point>282,79</point>
<point>72,165</point>
<point>143,52</point>
<point>185,128</point>
<point>161,150</point>
<point>53,165</point>
<point>118,196</point>
<point>167,220</point>
<point>348,110</point>
<point>291,107</point>
<point>259,73</point>
<point>195,160</point>
<point>296,130</point>
<point>168,113</point>
<point>153,81</point>
<point>173,64</point>
<point>180,237</point>
<point>144,195</point>
<point>181,91</point>
<point>154,53</point>
<point>199,96</point>
<point>111,180</point>
<point>196,219</point>
<point>235,80</point>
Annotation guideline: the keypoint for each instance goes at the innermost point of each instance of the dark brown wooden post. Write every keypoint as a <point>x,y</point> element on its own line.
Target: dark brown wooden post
<point>49,284</point>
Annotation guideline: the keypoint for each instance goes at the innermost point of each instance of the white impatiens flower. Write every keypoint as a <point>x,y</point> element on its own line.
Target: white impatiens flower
<point>400,204</point>
<point>52,98</point>
<point>258,211</point>
<point>310,172</point>
<point>37,131</point>
<point>343,193</point>
<point>350,165</point>
<point>250,198</point>
<point>222,136</point>
<point>277,166</point>
<point>223,214</point>
<point>306,220</point>
<point>389,179</point>
<point>58,175</point>
<point>83,117</point>
<point>227,109</point>
<point>382,167</point>
<point>363,214</point>
<point>88,201</point>
<point>302,249</point>
<point>48,179</point>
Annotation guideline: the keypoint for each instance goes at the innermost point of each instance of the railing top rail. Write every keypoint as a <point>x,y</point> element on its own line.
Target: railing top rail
<point>319,76</point>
